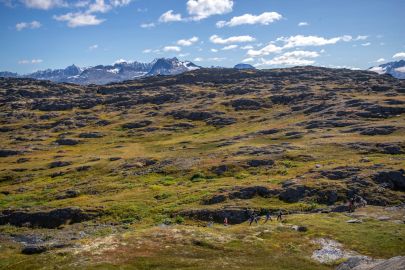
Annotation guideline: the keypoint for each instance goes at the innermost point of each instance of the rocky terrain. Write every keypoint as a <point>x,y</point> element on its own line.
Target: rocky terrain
<point>128,175</point>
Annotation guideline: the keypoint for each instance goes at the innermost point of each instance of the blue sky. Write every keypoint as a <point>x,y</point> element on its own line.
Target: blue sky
<point>39,34</point>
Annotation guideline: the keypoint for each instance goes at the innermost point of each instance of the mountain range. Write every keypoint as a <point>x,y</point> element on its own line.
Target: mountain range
<point>123,71</point>
<point>395,69</point>
<point>103,74</point>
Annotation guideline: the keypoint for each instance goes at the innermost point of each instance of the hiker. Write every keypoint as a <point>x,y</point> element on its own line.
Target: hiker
<point>351,204</point>
<point>225,221</point>
<point>253,218</point>
<point>268,217</point>
<point>280,216</point>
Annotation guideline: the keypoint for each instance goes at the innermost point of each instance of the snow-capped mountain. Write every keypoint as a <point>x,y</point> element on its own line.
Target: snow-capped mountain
<point>171,66</point>
<point>119,71</point>
<point>396,69</point>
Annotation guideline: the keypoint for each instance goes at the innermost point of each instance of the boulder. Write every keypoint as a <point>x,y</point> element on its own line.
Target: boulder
<point>260,162</point>
<point>46,219</point>
<point>138,124</point>
<point>57,164</point>
<point>8,153</point>
<point>393,179</point>
<point>67,142</point>
<point>33,249</point>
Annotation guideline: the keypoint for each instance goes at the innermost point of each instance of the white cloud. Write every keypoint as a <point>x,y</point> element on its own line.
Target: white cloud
<point>366,44</point>
<point>33,61</point>
<point>303,24</point>
<point>183,54</point>
<point>93,47</point>
<point>229,47</point>
<point>301,41</point>
<point>43,4</point>
<point>265,19</point>
<point>294,58</point>
<point>27,25</point>
<point>270,48</point>
<point>378,70</point>
<point>82,3</point>
<point>214,50</point>
<point>171,49</point>
<point>399,55</point>
<point>380,60</point>
<point>148,25</point>
<point>361,37</point>
<point>78,19</point>
<point>99,6</point>
<point>147,51</point>
<point>169,16</point>
<point>187,42</point>
<point>236,39</point>
<point>400,69</point>
<point>247,60</point>
<point>201,9</point>
<point>198,59</point>
<point>119,3</point>
<point>120,61</point>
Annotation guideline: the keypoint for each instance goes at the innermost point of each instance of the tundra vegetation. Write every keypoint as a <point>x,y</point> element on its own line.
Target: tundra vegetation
<point>128,175</point>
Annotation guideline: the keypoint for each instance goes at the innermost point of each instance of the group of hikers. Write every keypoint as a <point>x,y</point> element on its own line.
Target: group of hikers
<point>253,218</point>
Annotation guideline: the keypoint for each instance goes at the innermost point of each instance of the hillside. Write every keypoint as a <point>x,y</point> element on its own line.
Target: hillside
<point>127,175</point>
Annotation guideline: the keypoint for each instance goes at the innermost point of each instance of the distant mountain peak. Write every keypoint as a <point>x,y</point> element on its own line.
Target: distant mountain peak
<point>244,66</point>
<point>396,69</point>
<point>171,66</point>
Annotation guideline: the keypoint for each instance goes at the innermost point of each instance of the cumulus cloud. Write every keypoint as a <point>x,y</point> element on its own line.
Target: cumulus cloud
<point>171,49</point>
<point>294,58</point>
<point>214,50</point>
<point>361,37</point>
<point>198,59</point>
<point>303,24</point>
<point>400,69</point>
<point>229,47</point>
<point>380,60</point>
<point>265,18</point>
<point>148,25</point>
<point>33,61</point>
<point>99,6</point>
<point>366,44</point>
<point>235,39</point>
<point>169,16</point>
<point>285,43</point>
<point>43,4</point>
<point>378,70</point>
<point>27,25</point>
<point>270,48</point>
<point>78,19</point>
<point>120,61</point>
<point>399,55</point>
<point>201,9</point>
<point>302,41</point>
<point>119,3</point>
<point>147,51</point>
<point>187,42</point>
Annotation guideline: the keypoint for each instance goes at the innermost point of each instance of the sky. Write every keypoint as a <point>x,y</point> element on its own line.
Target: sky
<point>357,34</point>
